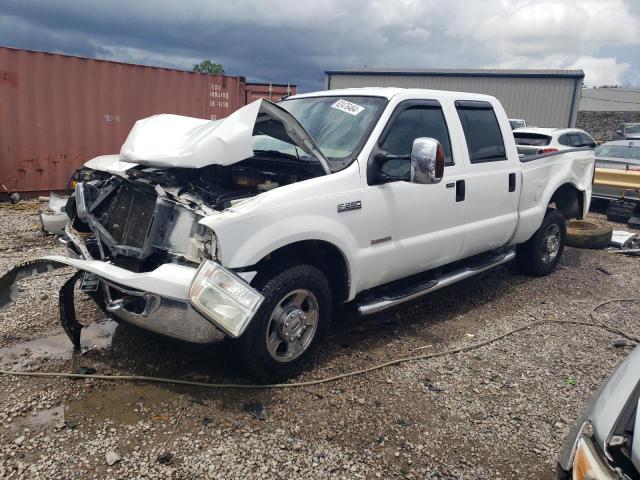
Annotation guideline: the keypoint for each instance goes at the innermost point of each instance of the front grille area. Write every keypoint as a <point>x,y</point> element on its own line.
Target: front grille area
<point>128,216</point>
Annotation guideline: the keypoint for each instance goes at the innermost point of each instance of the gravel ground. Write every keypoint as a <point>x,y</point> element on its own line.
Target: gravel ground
<point>500,411</point>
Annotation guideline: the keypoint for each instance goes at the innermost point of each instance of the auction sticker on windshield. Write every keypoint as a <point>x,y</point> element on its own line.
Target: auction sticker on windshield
<point>347,107</point>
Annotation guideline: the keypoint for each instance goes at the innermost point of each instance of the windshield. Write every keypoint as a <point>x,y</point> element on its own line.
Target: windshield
<point>618,151</point>
<point>632,128</point>
<point>339,125</point>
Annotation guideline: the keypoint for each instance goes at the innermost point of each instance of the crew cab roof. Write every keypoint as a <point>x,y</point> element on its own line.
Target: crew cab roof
<point>391,92</point>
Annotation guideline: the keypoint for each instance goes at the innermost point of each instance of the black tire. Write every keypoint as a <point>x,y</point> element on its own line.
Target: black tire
<point>588,234</point>
<point>276,286</point>
<point>533,255</point>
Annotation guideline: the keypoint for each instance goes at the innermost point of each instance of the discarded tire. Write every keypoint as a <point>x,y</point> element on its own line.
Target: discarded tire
<point>588,234</point>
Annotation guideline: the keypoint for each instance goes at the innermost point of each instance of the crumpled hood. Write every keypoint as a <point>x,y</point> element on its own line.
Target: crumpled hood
<point>168,140</point>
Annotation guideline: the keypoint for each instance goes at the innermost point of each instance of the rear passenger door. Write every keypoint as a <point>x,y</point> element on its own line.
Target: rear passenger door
<point>491,180</point>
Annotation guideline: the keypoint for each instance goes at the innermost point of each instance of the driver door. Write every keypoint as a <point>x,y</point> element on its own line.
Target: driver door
<point>415,227</point>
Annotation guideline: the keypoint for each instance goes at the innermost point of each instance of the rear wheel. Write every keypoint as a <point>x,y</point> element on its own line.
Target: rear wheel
<point>541,253</point>
<point>290,323</point>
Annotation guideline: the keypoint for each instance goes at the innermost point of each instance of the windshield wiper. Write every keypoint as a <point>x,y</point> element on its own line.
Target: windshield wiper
<point>275,153</point>
<point>287,157</point>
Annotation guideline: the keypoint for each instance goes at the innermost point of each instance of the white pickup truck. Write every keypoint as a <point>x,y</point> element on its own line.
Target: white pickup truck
<point>255,227</point>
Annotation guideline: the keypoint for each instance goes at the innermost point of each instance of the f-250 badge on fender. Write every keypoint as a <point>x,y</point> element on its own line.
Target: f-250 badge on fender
<point>344,207</point>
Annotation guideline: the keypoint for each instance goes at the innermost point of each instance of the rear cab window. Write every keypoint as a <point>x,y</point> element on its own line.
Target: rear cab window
<point>481,130</point>
<point>532,139</point>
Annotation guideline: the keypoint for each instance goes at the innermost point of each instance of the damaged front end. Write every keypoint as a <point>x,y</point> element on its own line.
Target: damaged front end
<point>138,249</point>
<point>135,233</point>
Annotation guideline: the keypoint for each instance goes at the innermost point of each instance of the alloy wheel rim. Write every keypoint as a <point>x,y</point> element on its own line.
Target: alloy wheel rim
<point>551,244</point>
<point>292,325</point>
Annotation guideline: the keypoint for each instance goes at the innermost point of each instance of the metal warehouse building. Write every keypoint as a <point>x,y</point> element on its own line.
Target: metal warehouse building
<point>544,98</point>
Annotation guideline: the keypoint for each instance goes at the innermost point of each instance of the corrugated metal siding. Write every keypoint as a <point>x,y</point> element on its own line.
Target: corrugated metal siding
<point>255,91</point>
<point>610,100</point>
<point>543,102</point>
<point>58,111</point>
<point>462,71</point>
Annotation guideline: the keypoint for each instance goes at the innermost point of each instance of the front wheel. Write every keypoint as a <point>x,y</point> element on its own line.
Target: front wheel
<point>290,323</point>
<point>541,253</point>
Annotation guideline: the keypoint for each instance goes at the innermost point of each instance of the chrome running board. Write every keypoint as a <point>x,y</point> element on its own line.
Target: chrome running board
<point>370,306</point>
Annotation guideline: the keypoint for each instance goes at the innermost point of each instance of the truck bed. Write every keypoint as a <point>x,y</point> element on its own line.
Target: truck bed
<point>541,177</point>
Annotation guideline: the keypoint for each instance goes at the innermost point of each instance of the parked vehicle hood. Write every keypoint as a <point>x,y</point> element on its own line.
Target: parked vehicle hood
<point>615,397</point>
<point>169,141</point>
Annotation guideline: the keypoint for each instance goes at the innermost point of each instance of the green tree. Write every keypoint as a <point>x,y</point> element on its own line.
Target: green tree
<point>207,66</point>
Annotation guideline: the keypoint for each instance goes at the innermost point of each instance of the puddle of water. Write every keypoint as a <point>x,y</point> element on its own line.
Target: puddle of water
<point>40,419</point>
<point>125,404</point>
<point>59,347</point>
<point>45,417</point>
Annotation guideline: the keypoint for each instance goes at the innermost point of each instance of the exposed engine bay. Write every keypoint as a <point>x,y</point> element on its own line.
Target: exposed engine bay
<point>148,216</point>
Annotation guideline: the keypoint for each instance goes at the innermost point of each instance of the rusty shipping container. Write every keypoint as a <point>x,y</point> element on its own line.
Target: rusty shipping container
<point>270,91</point>
<point>58,111</point>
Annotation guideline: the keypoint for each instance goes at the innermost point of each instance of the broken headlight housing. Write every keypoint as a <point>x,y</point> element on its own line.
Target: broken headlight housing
<point>589,464</point>
<point>224,298</point>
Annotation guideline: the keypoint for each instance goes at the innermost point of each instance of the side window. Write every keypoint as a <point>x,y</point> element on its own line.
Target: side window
<point>586,140</point>
<point>415,122</point>
<point>575,140</point>
<point>482,131</point>
<point>564,140</point>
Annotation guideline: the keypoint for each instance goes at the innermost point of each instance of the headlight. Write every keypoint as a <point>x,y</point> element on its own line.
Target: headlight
<point>224,298</point>
<point>588,463</point>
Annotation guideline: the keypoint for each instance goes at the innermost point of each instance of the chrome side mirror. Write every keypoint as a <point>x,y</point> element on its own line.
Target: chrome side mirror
<point>427,161</point>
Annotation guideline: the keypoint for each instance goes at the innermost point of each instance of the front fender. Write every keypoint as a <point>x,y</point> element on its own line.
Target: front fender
<point>243,242</point>
<point>243,245</point>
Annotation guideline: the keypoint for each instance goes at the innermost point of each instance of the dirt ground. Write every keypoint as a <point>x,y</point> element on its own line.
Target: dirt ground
<point>500,411</point>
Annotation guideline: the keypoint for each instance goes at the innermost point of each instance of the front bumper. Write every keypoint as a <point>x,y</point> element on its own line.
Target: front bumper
<point>168,316</point>
<point>156,300</point>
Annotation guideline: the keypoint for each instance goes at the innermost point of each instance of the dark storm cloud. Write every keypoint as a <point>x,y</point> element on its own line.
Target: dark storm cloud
<point>264,53</point>
<point>284,41</point>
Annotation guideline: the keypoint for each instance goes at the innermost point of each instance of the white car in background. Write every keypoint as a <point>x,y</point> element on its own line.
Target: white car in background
<point>536,141</point>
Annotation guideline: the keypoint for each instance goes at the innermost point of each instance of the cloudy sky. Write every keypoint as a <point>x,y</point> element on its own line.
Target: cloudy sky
<point>295,41</point>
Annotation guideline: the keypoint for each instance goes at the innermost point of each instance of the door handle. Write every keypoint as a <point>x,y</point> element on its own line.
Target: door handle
<point>460,191</point>
<point>512,182</point>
